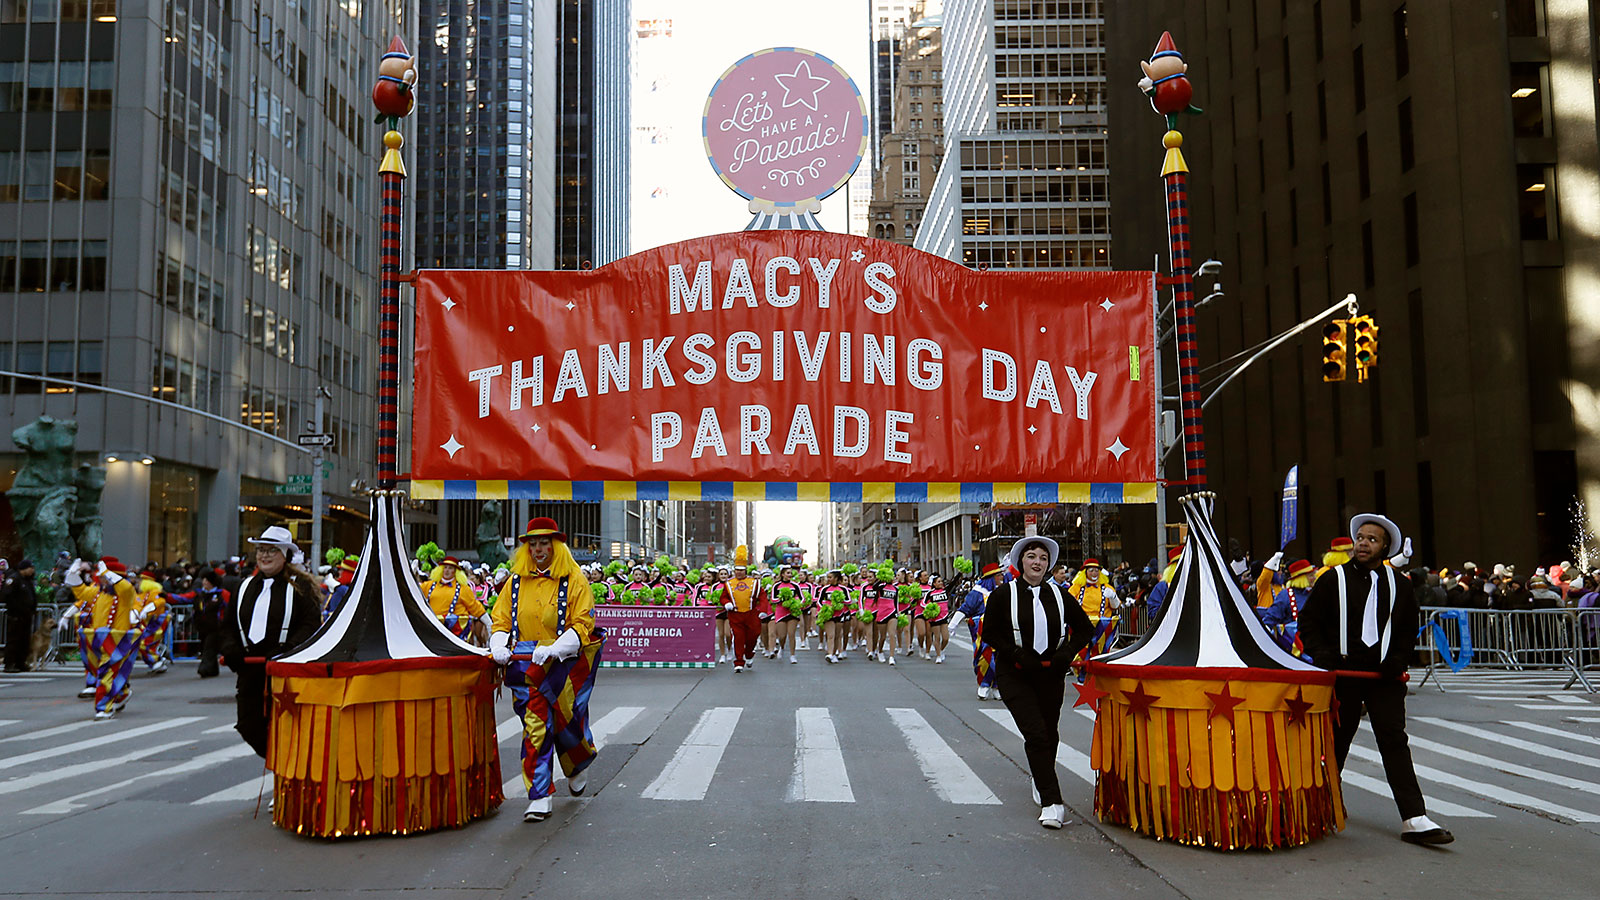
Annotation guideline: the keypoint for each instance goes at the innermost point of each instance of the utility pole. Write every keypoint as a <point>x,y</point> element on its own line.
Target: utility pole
<point>316,483</point>
<point>1161,466</point>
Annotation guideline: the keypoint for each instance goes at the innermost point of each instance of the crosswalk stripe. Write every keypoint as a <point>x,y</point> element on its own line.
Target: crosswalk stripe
<point>505,730</point>
<point>220,729</point>
<point>61,773</point>
<point>1564,698</point>
<point>1066,757</point>
<point>1487,791</point>
<point>1381,788</point>
<point>952,779</point>
<point>1500,765</point>
<point>819,773</point>
<point>1556,732</point>
<point>239,793</point>
<point>49,732</point>
<point>91,743</point>
<point>688,775</point>
<point>600,729</point>
<point>78,801</point>
<point>5,722</point>
<point>1543,750</point>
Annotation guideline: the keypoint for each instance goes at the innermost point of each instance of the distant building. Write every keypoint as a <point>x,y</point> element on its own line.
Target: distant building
<point>911,148</point>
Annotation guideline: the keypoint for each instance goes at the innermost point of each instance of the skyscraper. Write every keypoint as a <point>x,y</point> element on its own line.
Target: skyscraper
<point>593,88</point>
<point>912,143</point>
<point>188,208</point>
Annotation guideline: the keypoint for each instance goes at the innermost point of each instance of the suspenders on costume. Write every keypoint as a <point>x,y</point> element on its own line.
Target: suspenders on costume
<point>1344,613</point>
<point>561,607</point>
<point>1016,626</point>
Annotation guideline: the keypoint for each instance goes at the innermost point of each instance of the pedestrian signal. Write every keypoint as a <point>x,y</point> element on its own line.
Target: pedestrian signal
<point>1333,351</point>
<point>1363,344</point>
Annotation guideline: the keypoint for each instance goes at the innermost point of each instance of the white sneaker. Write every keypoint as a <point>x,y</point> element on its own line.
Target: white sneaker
<point>792,660</point>
<point>161,666</point>
<point>578,783</point>
<point>891,660</point>
<point>722,659</point>
<point>939,658</point>
<point>537,811</point>
<point>1053,816</point>
<point>737,669</point>
<point>86,693</point>
<point>105,714</point>
<point>805,645</point>
<point>983,693</point>
<point>1034,790</point>
<point>831,660</point>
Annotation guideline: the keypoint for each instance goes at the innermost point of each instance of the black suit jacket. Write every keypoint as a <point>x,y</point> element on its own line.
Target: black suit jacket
<point>1067,637</point>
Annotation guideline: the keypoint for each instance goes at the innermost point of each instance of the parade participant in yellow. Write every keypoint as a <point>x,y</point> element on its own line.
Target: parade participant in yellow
<point>153,606</point>
<point>545,617</point>
<point>452,598</point>
<point>111,611</point>
<point>742,601</point>
<point>1339,553</point>
<point>1092,589</point>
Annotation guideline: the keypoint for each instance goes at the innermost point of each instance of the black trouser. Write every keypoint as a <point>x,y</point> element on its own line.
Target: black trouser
<point>1034,698</point>
<point>251,699</point>
<point>19,637</point>
<point>1385,702</point>
<point>210,649</point>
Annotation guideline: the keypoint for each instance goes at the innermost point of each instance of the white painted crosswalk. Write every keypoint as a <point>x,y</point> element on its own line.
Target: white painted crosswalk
<point>819,772</point>
<point>951,778</point>
<point>689,774</point>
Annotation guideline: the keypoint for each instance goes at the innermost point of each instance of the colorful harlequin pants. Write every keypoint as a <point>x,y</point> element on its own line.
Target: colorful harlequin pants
<point>553,703</point>
<point>114,653</point>
<point>153,645</point>
<point>91,671</point>
<point>982,654</point>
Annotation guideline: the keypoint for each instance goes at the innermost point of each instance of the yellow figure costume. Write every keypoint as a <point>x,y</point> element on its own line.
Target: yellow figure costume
<point>453,602</point>
<point>742,591</point>
<point>1092,597</point>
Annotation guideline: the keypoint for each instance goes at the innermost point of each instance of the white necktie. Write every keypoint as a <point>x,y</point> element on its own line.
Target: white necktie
<point>258,615</point>
<point>1369,617</point>
<point>1041,636</point>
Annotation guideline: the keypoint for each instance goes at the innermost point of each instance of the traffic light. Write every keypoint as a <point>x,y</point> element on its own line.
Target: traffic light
<point>1363,344</point>
<point>1333,351</point>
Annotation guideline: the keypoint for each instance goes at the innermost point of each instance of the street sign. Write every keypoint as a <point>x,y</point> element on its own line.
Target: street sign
<point>315,440</point>
<point>302,488</point>
<point>300,479</point>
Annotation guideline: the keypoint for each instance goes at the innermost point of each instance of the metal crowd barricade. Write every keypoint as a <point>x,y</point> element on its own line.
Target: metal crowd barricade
<point>1131,624</point>
<point>1586,626</point>
<point>1519,640</point>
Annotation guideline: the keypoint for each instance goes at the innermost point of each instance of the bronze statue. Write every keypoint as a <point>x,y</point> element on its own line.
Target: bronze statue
<point>44,497</point>
<point>491,548</point>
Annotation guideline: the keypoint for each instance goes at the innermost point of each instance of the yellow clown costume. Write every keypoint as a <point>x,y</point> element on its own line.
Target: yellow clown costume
<point>454,601</point>
<point>543,631</point>
<point>109,615</point>
<point>153,610</point>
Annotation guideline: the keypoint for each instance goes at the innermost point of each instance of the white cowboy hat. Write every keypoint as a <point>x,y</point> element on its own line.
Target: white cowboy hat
<point>279,536</point>
<point>1395,539</point>
<point>1014,558</point>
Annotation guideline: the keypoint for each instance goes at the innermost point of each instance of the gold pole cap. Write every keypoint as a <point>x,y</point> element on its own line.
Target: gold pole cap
<point>1172,140</point>
<point>394,140</point>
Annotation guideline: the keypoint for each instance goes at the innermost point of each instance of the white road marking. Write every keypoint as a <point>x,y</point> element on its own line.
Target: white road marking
<point>1381,788</point>
<point>1556,732</point>
<point>688,774</point>
<point>1066,757</point>
<point>1544,706</point>
<point>91,743</point>
<point>819,772</point>
<point>952,779</point>
<point>1542,750</point>
<point>5,722</point>
<point>1487,791</point>
<point>61,773</point>
<point>1499,765</point>
<point>239,793</point>
<point>1581,719</point>
<point>1565,698</point>
<point>218,730</point>
<point>600,729</point>
<point>78,801</point>
<point>51,732</point>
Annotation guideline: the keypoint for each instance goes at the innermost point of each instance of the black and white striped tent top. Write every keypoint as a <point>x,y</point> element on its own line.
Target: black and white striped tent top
<point>385,616</point>
<point>1207,622</point>
<point>787,220</point>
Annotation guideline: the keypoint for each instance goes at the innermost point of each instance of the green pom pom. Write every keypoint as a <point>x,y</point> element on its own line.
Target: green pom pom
<point>658,595</point>
<point>334,556</point>
<point>903,619</point>
<point>930,610</point>
<point>865,615</point>
<point>963,565</point>
<point>850,569</point>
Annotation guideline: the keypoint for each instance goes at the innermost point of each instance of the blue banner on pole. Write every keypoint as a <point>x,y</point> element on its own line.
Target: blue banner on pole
<point>1291,508</point>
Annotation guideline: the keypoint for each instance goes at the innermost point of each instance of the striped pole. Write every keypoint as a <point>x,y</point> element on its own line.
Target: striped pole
<point>1175,173</point>
<point>392,175</point>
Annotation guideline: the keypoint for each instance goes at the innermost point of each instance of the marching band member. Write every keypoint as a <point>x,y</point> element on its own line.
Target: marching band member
<point>109,630</point>
<point>276,610</point>
<point>742,602</point>
<point>972,609</point>
<point>455,603</point>
<point>546,611</point>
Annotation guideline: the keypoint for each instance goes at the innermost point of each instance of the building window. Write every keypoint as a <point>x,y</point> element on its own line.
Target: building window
<point>1528,95</point>
<point>1363,167</point>
<point>1408,150</point>
<point>1413,233</point>
<point>1369,275</point>
<point>1402,43</point>
<point>1534,189</point>
<point>1359,78</point>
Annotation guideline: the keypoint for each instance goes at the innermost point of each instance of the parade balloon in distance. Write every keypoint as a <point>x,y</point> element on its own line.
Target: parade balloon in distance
<point>392,95</point>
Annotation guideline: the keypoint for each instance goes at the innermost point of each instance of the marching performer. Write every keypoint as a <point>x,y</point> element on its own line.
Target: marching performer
<point>1362,617</point>
<point>276,610</point>
<point>1036,633</point>
<point>881,600</point>
<point>785,621</point>
<point>972,609</point>
<point>545,617</point>
<point>154,613</point>
<point>345,576</point>
<point>741,600</point>
<point>714,591</point>
<point>939,622</point>
<point>1099,601</point>
<point>109,612</point>
<point>1282,614</point>
<point>835,596</point>
<point>453,600</point>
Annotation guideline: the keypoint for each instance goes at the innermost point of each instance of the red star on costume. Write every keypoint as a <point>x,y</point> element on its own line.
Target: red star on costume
<point>1222,704</point>
<point>284,699</point>
<point>1090,693</point>
<point>1298,707</point>
<point>1138,701</point>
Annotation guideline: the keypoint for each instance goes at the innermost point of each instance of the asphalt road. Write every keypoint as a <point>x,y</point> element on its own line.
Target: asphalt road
<point>854,780</point>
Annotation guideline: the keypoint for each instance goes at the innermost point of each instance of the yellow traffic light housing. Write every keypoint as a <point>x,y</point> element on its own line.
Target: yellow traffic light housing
<point>1333,351</point>
<point>1363,344</point>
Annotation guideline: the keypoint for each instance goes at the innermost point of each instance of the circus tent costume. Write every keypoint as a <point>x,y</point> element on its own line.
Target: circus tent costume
<point>1362,617</point>
<point>544,633</point>
<point>109,614</point>
<point>972,609</point>
<point>452,599</point>
<point>1207,732</point>
<point>154,611</point>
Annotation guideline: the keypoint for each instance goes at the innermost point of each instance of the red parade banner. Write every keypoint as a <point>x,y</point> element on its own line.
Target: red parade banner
<point>784,357</point>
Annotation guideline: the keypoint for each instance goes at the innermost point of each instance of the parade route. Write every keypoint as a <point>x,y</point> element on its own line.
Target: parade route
<point>851,780</point>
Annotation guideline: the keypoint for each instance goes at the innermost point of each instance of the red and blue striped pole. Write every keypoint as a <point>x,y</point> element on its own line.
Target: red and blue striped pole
<point>1175,173</point>
<point>392,96</point>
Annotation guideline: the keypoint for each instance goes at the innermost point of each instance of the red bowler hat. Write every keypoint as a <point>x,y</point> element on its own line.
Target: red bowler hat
<point>1341,545</point>
<point>989,569</point>
<point>112,564</point>
<point>1300,567</point>
<point>1174,553</point>
<point>1091,563</point>
<point>450,561</point>
<point>544,526</point>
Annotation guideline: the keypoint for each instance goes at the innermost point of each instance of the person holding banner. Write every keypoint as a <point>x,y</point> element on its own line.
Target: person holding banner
<point>1361,619</point>
<point>972,609</point>
<point>1036,632</point>
<point>544,633</point>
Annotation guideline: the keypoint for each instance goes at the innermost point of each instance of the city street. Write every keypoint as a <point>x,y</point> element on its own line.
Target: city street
<point>904,784</point>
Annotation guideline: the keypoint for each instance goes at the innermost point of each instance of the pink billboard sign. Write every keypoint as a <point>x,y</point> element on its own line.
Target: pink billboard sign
<point>658,637</point>
<point>785,127</point>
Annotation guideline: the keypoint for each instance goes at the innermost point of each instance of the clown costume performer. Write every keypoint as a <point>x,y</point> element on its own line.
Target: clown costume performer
<point>113,612</point>
<point>153,610</point>
<point>971,610</point>
<point>543,632</point>
<point>454,602</point>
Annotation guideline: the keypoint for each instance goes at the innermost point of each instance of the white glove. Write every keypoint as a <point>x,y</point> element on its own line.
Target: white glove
<point>488,623</point>
<point>135,616</point>
<point>1239,567</point>
<point>500,647</point>
<point>1274,562</point>
<point>1146,84</point>
<point>74,574</point>
<point>67,615</point>
<point>956,620</point>
<point>728,607</point>
<point>566,646</point>
<point>1404,556</point>
<point>541,654</point>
